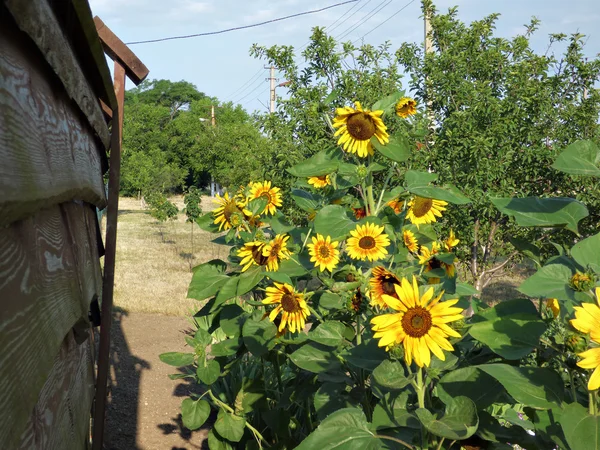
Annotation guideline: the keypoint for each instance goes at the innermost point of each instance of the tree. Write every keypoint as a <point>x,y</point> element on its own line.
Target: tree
<point>501,114</point>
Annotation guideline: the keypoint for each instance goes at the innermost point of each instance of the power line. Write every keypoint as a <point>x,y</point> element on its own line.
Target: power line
<point>239,100</point>
<point>331,27</point>
<point>241,27</point>
<point>350,16</point>
<point>243,86</point>
<point>386,20</point>
<point>374,11</point>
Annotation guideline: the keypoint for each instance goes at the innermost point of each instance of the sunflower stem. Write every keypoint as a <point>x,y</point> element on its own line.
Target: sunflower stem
<point>573,389</point>
<point>440,444</point>
<point>400,441</point>
<point>305,240</point>
<point>387,180</point>
<point>421,398</point>
<point>358,336</point>
<point>316,314</point>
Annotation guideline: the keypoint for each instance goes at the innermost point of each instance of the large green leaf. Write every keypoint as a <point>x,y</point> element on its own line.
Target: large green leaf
<point>329,300</point>
<point>390,376</point>
<point>368,355</point>
<point>391,412</point>
<point>346,429</point>
<point>536,387</point>
<point>315,358</point>
<point>177,359</point>
<point>208,371</point>
<point>543,212</point>
<point>398,149</point>
<point>333,221</point>
<point>330,397</point>
<point>469,382</point>
<point>230,426</point>
<point>579,158</point>
<point>587,253</point>
<point>388,103</point>
<point>304,200</point>
<point>418,183</point>
<point>206,223</point>
<point>291,267</point>
<point>330,333</point>
<point>227,347</point>
<point>216,442</point>
<point>278,223</point>
<point>547,426</point>
<point>194,413</point>
<point>259,335</point>
<point>231,319</point>
<point>459,421</point>
<point>257,205</point>
<point>582,429</point>
<point>550,281</point>
<point>511,337</point>
<point>238,285</point>
<point>323,163</point>
<point>207,279</point>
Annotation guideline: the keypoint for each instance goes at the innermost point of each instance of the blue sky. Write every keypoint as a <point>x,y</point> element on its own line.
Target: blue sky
<point>220,65</point>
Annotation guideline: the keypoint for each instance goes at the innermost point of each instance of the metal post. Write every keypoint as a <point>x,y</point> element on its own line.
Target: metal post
<point>108,280</point>
<point>272,79</point>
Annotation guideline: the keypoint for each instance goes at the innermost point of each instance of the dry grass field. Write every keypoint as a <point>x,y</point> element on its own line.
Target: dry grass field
<point>154,260</point>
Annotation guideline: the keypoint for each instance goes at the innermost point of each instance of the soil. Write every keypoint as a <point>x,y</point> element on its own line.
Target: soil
<point>144,409</point>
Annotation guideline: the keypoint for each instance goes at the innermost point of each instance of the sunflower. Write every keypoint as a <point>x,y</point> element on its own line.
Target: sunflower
<point>587,318</point>
<point>359,213</point>
<point>423,210</point>
<point>290,303</point>
<point>356,128</point>
<point>410,241</point>
<point>428,259</point>
<point>405,107</point>
<point>582,282</point>
<point>450,242</point>
<point>554,306</point>
<point>396,204</point>
<point>251,254</point>
<point>320,182</point>
<point>275,251</point>
<point>230,213</point>
<point>272,194</point>
<point>420,324</point>
<point>591,360</point>
<point>382,282</point>
<point>368,242</point>
<point>324,252</point>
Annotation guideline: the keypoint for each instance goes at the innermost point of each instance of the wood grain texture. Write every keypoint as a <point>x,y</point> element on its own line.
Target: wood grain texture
<point>35,17</point>
<point>60,419</point>
<point>49,273</point>
<point>49,153</point>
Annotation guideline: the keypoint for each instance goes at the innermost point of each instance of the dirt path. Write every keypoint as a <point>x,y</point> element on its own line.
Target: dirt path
<point>144,403</point>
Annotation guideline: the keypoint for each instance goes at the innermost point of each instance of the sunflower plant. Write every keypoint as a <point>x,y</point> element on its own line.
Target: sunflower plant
<point>353,331</point>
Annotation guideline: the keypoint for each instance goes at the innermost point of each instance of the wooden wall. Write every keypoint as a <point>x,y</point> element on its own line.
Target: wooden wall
<point>52,159</point>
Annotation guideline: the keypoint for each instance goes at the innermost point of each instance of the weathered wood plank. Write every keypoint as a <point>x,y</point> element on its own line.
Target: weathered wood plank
<point>60,419</point>
<point>49,154</point>
<point>49,273</point>
<point>119,52</point>
<point>35,17</point>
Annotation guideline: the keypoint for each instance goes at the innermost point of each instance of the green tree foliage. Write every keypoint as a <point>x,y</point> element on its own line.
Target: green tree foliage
<point>501,113</point>
<point>169,141</point>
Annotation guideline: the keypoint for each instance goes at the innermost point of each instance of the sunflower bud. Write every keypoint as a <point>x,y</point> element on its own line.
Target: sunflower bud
<point>357,303</point>
<point>362,171</point>
<point>582,282</point>
<point>575,343</point>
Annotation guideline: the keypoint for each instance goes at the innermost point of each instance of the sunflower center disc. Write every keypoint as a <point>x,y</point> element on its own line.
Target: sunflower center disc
<point>324,251</point>
<point>275,250</point>
<point>289,303</point>
<point>435,263</point>
<point>229,209</point>
<point>421,206</point>
<point>360,126</point>
<point>388,287</point>
<point>266,195</point>
<point>258,256</point>
<point>366,242</point>
<point>416,322</point>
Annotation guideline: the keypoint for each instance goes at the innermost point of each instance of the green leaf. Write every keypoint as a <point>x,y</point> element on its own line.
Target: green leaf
<point>280,277</point>
<point>304,200</point>
<point>346,429</point>
<point>208,371</point>
<point>194,413</point>
<point>511,337</point>
<point>460,420</point>
<point>464,289</point>
<point>333,221</point>
<point>207,279</point>
<point>390,375</point>
<point>278,223</point>
<point>398,149</point>
<point>323,163</point>
<point>231,319</point>
<point>315,358</point>
<point>391,412</point>
<point>329,300</point>
<point>368,355</point>
<point>417,183</point>
<point>582,430</point>
<point>228,347</point>
<point>331,397</point>
<point>230,426</point>
<point>206,223</point>
<point>216,442</point>
<point>388,104</point>
<point>202,337</point>
<point>330,333</point>
<point>587,253</point>
<point>257,205</point>
<point>550,281</point>
<point>526,248</point>
<point>291,268</point>
<point>418,179</point>
<point>579,158</point>
<point>547,426</point>
<point>543,212</point>
<point>177,359</point>
<point>536,387</point>
<point>259,336</point>
<point>469,382</point>
<point>238,285</point>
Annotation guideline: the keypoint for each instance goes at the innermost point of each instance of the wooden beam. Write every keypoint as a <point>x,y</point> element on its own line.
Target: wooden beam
<point>106,110</point>
<point>119,52</point>
<point>35,17</point>
<point>49,152</point>
<point>108,283</point>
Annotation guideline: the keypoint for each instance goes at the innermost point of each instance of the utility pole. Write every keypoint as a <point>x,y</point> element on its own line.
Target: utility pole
<point>428,46</point>
<point>213,122</point>
<point>272,90</point>
<point>212,116</point>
